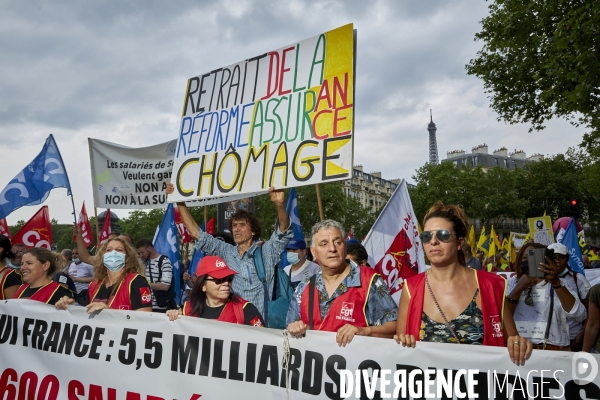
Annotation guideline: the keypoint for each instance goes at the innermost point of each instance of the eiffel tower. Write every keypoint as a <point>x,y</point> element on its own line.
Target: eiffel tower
<point>433,150</point>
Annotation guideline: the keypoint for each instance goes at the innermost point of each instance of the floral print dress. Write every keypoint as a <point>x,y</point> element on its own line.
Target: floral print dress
<point>468,326</point>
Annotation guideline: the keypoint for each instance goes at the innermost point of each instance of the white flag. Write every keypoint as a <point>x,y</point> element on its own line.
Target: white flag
<point>393,243</point>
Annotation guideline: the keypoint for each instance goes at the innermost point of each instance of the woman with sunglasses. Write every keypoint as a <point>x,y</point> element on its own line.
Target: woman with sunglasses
<point>212,298</point>
<point>451,303</point>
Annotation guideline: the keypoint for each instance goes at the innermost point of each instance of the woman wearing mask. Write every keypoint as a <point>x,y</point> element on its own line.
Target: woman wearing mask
<point>39,265</point>
<point>451,303</point>
<point>9,279</point>
<point>212,298</point>
<point>119,284</point>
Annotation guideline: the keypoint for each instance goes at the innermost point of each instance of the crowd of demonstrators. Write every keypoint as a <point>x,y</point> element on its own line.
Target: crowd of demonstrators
<point>119,283</point>
<point>9,279</point>
<point>342,297</point>
<point>213,298</point>
<point>451,303</point>
<point>300,267</point>
<point>159,272</point>
<point>38,267</point>
<point>549,308</point>
<point>246,231</point>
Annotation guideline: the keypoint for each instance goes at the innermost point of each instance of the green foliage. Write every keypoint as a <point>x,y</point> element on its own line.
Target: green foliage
<point>62,236</point>
<point>142,224</point>
<point>539,60</point>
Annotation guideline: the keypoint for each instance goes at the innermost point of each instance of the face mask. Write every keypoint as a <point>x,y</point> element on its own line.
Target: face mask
<point>13,266</point>
<point>293,258</point>
<point>564,273</point>
<point>76,260</point>
<point>114,260</point>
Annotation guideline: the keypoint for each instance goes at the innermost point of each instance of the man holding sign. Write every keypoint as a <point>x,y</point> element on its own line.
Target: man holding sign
<point>240,258</point>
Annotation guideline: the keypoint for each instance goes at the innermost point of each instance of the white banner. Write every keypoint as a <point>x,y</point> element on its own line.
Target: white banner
<point>393,243</point>
<point>126,355</point>
<point>130,178</point>
<point>283,118</point>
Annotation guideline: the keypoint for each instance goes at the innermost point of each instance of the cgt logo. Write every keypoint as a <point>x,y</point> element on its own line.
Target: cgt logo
<point>220,264</point>
<point>496,325</point>
<point>396,265</point>
<point>146,295</point>
<point>346,312</point>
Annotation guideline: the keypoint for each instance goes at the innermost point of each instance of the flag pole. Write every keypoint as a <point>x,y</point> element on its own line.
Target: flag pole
<point>319,203</point>
<point>73,203</point>
<point>97,227</point>
<point>206,214</point>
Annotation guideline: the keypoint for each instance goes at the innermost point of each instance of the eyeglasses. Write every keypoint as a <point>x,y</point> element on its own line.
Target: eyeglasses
<point>443,235</point>
<point>222,280</point>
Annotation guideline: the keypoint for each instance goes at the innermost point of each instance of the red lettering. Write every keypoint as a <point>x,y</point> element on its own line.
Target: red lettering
<point>150,397</point>
<point>75,389</point>
<point>25,389</point>
<point>95,393</point>
<point>272,72</point>
<point>323,94</point>
<point>336,119</point>
<point>283,71</point>
<point>7,389</point>
<point>314,124</point>
<point>133,396</point>
<point>112,394</point>
<point>48,388</point>
<point>337,90</point>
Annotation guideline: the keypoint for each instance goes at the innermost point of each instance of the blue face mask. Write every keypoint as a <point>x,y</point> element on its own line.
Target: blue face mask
<point>114,260</point>
<point>76,260</point>
<point>293,258</point>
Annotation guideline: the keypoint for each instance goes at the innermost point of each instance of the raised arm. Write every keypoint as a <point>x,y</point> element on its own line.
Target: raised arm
<point>84,254</point>
<point>278,197</point>
<point>186,217</point>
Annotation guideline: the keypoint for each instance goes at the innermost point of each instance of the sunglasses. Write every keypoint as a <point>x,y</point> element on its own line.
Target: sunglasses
<point>222,280</point>
<point>443,235</point>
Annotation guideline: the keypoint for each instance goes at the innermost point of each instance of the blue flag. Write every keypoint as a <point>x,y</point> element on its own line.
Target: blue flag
<point>165,242</point>
<point>292,209</point>
<point>571,240</point>
<point>33,184</point>
<point>196,257</point>
<point>203,226</point>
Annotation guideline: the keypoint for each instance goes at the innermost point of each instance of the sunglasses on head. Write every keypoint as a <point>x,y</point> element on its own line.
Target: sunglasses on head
<point>222,280</point>
<point>443,235</point>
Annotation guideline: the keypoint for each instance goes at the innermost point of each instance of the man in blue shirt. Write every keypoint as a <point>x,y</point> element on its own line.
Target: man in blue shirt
<point>246,230</point>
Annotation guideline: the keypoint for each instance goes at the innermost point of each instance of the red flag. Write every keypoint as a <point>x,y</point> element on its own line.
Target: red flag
<point>349,234</point>
<point>37,232</point>
<point>393,243</point>
<point>106,231</point>
<point>4,228</point>
<point>185,235</point>
<point>210,227</point>
<point>84,227</point>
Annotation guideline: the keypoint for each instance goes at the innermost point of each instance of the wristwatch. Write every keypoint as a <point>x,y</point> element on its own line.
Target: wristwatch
<point>560,285</point>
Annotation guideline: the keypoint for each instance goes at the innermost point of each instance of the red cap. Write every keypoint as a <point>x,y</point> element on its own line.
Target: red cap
<point>214,266</point>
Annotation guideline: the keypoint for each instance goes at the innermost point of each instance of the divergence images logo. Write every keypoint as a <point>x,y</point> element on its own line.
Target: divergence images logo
<point>584,368</point>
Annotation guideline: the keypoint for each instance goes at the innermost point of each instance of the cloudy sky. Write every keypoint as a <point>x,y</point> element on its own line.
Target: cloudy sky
<point>118,70</point>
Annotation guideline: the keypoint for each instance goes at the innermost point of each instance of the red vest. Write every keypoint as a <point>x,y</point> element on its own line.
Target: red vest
<point>44,294</point>
<point>4,273</point>
<point>348,308</point>
<point>232,312</point>
<point>492,289</point>
<point>122,297</point>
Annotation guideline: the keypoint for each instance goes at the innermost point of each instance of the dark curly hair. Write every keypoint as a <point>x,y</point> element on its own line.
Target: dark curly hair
<point>7,246</point>
<point>243,215</point>
<point>455,215</point>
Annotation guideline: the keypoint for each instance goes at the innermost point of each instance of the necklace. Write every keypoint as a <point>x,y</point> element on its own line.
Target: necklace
<point>440,309</point>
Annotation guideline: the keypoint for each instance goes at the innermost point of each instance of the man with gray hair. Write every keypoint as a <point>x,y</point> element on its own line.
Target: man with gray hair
<point>343,297</point>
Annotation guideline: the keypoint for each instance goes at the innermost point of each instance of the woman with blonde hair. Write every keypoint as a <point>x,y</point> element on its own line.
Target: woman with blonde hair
<point>451,303</point>
<point>119,283</point>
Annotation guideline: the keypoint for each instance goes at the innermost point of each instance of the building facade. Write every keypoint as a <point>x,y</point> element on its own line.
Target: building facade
<point>499,158</point>
<point>370,189</point>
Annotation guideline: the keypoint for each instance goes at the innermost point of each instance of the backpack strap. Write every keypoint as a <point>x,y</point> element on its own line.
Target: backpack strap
<point>260,271</point>
<point>311,301</point>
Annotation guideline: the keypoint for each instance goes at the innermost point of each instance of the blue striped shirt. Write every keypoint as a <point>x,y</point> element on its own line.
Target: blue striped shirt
<point>246,283</point>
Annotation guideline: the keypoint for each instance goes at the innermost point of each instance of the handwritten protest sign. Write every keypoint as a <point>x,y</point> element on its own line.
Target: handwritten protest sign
<point>283,118</point>
<point>541,230</point>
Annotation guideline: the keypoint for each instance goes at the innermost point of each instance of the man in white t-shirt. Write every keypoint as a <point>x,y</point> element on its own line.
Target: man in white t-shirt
<point>82,274</point>
<point>300,268</point>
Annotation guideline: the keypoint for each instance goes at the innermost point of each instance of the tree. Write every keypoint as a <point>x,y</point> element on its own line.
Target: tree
<point>540,60</point>
<point>141,224</point>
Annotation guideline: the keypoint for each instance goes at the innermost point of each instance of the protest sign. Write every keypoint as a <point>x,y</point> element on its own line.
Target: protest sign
<point>283,119</point>
<point>518,239</point>
<point>393,244</point>
<point>540,229</point>
<point>52,354</point>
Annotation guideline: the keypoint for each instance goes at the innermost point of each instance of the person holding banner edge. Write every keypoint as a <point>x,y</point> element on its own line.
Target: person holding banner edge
<point>212,297</point>
<point>39,265</point>
<point>451,303</point>
<point>119,283</point>
<point>9,279</point>
<point>241,257</point>
<point>346,298</point>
